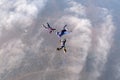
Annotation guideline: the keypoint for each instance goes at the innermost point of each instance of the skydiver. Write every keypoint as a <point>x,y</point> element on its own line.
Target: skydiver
<point>49,28</point>
<point>62,32</point>
<point>62,45</point>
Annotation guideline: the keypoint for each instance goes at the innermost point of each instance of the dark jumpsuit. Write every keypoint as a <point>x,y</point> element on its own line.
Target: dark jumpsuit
<point>63,45</point>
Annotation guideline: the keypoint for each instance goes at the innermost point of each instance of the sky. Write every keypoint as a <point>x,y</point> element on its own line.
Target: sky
<point>28,51</point>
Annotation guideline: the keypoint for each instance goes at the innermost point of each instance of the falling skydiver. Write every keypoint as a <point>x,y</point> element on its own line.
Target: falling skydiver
<point>49,28</point>
<point>62,32</point>
<point>62,45</point>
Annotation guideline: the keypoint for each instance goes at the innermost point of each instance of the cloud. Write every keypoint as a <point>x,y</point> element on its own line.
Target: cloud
<point>76,8</point>
<point>28,50</point>
<point>19,12</point>
<point>11,55</point>
<point>101,45</point>
<point>16,21</point>
<point>90,41</point>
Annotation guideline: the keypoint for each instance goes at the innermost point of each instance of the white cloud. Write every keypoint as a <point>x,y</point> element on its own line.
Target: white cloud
<point>101,45</point>
<point>15,17</point>
<point>22,12</point>
<point>79,40</point>
<point>84,42</point>
<point>11,54</point>
<point>89,41</point>
<point>76,8</point>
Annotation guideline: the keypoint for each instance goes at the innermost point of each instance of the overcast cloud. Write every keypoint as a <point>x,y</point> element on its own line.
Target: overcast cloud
<point>28,51</point>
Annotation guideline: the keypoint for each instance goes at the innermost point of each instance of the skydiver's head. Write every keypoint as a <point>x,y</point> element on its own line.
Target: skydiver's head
<point>64,40</point>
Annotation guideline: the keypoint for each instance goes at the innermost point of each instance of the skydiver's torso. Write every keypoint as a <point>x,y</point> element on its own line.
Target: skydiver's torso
<point>63,31</point>
<point>63,43</point>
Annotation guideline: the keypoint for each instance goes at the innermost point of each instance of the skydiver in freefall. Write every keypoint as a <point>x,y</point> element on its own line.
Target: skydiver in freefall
<point>63,42</point>
<point>62,32</point>
<point>49,28</point>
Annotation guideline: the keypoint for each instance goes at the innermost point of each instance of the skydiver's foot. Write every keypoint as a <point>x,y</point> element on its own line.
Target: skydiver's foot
<point>65,50</point>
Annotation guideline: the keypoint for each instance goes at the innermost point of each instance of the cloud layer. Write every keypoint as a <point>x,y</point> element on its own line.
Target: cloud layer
<point>28,52</point>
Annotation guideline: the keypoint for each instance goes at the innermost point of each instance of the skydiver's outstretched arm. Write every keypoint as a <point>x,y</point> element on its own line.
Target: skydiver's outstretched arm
<point>45,26</point>
<point>64,27</point>
<point>48,25</point>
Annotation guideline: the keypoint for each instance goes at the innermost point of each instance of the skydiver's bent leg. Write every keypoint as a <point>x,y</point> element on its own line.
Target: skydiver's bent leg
<point>60,48</point>
<point>58,34</point>
<point>64,49</point>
